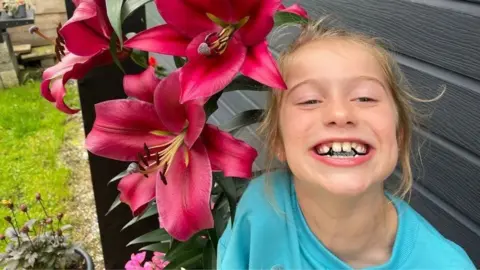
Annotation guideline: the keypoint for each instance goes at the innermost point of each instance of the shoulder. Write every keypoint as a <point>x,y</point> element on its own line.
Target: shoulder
<point>431,247</point>
<point>246,240</point>
<point>265,194</point>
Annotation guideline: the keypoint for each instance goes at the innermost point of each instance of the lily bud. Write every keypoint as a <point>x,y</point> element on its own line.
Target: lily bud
<point>25,229</point>
<point>48,221</point>
<point>2,237</point>
<point>8,219</point>
<point>60,216</point>
<point>38,197</point>
<point>23,208</point>
<point>59,232</point>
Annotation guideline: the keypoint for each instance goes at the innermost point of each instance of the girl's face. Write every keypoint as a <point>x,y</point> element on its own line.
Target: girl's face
<point>338,118</point>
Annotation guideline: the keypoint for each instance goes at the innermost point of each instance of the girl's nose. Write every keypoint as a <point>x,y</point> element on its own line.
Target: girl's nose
<point>339,113</point>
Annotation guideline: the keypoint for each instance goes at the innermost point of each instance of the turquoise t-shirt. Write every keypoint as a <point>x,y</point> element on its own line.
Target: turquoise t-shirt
<point>271,233</point>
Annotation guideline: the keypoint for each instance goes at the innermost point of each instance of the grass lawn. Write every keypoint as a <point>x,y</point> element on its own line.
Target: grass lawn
<point>31,135</point>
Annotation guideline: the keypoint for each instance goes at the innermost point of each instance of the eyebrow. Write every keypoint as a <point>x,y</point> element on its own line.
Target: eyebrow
<point>349,81</point>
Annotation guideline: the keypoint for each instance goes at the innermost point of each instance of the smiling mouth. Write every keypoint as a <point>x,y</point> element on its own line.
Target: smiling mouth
<point>342,149</point>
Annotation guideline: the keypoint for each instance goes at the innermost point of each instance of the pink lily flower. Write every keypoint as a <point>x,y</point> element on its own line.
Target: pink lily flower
<point>159,261</point>
<point>142,85</point>
<point>88,21</point>
<point>219,38</point>
<point>175,151</point>
<point>135,262</point>
<point>295,9</point>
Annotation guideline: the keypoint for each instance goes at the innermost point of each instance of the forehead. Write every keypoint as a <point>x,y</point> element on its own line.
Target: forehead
<point>332,59</point>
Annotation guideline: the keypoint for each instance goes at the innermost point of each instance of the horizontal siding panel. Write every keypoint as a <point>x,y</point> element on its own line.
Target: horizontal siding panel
<point>437,35</point>
<point>455,115</point>
<point>449,175</point>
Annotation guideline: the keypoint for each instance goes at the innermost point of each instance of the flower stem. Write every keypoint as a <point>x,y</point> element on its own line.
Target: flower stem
<point>44,210</point>
<point>33,227</point>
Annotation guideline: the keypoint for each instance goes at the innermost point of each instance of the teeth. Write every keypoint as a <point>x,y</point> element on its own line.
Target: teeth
<point>337,147</point>
<point>361,149</point>
<point>323,149</point>
<point>346,147</point>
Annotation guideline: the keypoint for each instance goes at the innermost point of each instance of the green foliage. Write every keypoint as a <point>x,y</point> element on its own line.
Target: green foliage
<point>37,245</point>
<point>31,134</point>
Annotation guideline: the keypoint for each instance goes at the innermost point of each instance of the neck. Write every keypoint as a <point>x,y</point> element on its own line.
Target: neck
<point>358,229</point>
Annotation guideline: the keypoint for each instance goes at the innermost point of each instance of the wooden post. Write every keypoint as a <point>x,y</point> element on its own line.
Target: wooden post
<point>101,84</point>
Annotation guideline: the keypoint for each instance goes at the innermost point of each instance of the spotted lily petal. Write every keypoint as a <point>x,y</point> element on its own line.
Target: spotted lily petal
<point>184,203</point>
<point>142,85</point>
<point>228,154</point>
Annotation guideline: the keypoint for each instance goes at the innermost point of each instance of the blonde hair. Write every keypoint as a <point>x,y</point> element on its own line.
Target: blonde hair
<point>269,128</point>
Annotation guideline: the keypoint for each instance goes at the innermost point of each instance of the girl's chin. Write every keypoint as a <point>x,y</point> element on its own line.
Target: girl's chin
<point>345,185</point>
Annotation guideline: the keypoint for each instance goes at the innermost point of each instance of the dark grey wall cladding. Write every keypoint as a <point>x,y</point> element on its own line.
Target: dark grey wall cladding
<point>437,46</point>
<point>444,33</point>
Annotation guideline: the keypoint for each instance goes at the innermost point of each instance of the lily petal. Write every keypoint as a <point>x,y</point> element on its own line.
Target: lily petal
<point>232,156</point>
<point>260,23</point>
<point>122,127</point>
<point>58,92</point>
<point>295,9</point>
<point>65,65</point>
<point>203,76</point>
<point>162,39</point>
<point>166,100</point>
<point>184,203</point>
<point>141,85</point>
<point>188,19</point>
<point>85,25</point>
<point>137,191</point>
<point>262,67</point>
<point>196,121</point>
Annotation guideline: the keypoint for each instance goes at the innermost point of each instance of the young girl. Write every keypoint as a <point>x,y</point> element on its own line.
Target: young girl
<point>340,128</point>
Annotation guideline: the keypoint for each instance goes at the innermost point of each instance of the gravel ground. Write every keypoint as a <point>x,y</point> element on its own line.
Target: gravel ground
<point>82,208</point>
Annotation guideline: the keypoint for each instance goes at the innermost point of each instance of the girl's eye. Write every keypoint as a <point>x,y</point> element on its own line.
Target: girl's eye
<point>310,102</point>
<point>365,99</point>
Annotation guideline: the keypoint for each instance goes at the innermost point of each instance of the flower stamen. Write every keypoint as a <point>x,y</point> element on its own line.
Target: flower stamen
<point>161,160</point>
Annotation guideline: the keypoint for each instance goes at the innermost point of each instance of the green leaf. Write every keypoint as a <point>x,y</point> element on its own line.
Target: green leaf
<point>158,235</point>
<point>161,247</point>
<point>212,234</point>
<point>131,5</point>
<point>150,211</point>
<point>179,61</point>
<point>185,259</point>
<point>211,106</point>
<point>242,82</point>
<point>114,10</point>
<point>287,18</point>
<point>230,189</point>
<point>118,177</point>
<point>209,256</point>
<point>113,51</point>
<point>140,58</point>
<point>115,203</point>
<point>243,119</point>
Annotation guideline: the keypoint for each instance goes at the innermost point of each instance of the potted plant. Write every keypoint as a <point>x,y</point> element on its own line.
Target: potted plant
<point>40,243</point>
<point>16,8</point>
